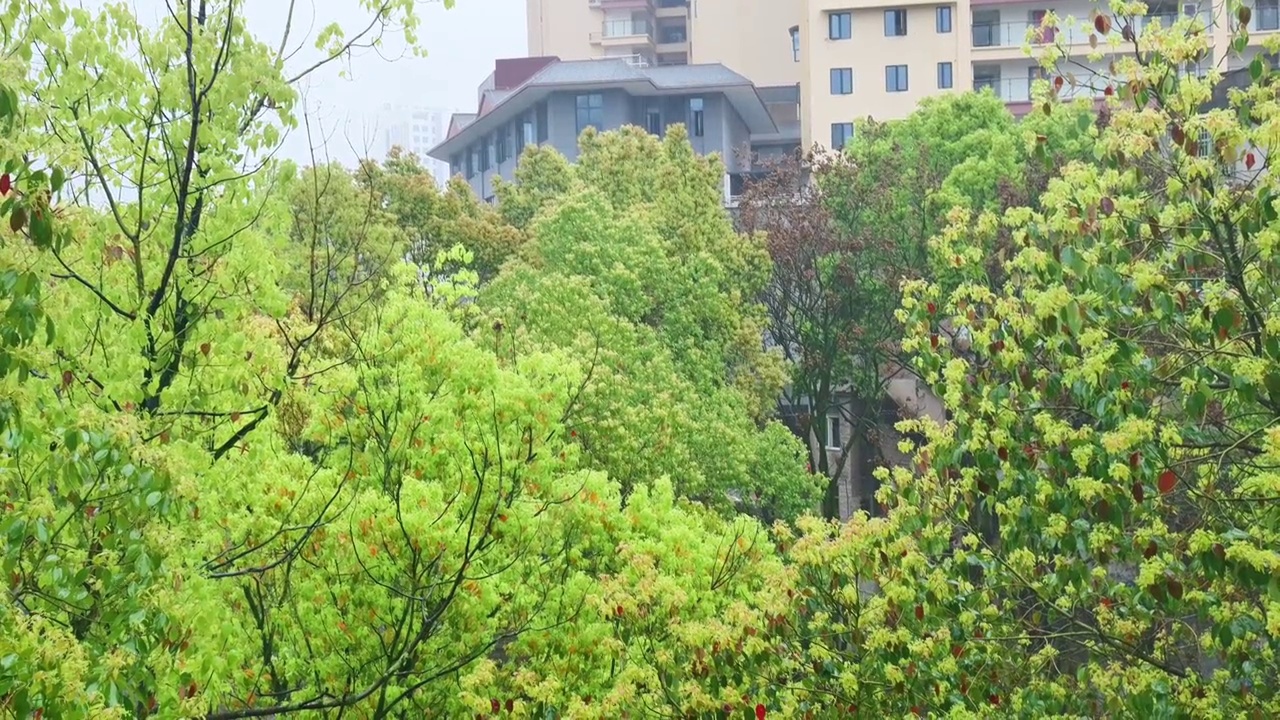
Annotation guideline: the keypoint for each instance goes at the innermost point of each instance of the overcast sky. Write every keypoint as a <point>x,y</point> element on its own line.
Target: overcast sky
<point>461,43</point>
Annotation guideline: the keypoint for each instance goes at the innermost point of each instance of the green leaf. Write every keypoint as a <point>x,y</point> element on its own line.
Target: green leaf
<point>1255,68</point>
<point>56,181</point>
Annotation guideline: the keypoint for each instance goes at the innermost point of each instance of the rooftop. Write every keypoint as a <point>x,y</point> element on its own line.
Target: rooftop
<point>501,105</point>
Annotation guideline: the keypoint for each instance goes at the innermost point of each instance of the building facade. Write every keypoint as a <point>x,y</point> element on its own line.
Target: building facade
<point>871,58</point>
<point>545,100</point>
<point>415,130</point>
<point>751,38</point>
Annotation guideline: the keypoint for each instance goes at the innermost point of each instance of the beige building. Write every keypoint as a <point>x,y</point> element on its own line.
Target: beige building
<point>752,38</point>
<point>864,58</point>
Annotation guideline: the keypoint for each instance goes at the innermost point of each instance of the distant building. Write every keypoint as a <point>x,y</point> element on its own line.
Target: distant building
<point>545,100</point>
<point>415,130</point>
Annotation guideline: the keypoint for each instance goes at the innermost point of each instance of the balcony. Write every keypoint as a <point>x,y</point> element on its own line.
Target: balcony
<point>1018,89</point>
<point>1014,33</point>
<point>671,8</point>
<point>623,32</point>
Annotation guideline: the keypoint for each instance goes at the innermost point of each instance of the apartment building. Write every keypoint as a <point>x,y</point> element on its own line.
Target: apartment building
<point>546,100</point>
<point>753,38</point>
<point>879,58</point>
<point>416,130</point>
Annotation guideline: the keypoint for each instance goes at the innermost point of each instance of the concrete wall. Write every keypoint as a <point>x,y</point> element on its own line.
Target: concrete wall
<point>751,37</point>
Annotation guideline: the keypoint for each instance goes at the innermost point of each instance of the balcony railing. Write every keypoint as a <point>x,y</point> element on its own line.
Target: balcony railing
<point>624,28</point>
<point>1018,89</point>
<point>1015,33</point>
<point>636,61</point>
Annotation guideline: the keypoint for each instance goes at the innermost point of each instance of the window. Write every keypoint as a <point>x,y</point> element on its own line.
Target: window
<point>895,23</point>
<point>542,122</point>
<point>590,111</point>
<point>455,164</point>
<point>653,121</point>
<point>944,76</point>
<point>491,156</point>
<point>841,81</point>
<point>833,433</point>
<point>527,129</point>
<point>795,44</point>
<point>895,78</point>
<point>696,119</point>
<point>840,26</point>
<point>501,140</point>
<point>1204,146</point>
<point>944,18</point>
<point>841,133</point>
<point>473,162</point>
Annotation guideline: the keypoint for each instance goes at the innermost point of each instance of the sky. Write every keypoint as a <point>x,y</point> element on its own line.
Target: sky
<point>461,44</point>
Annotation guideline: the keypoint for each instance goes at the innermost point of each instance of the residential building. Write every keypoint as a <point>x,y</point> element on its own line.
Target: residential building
<point>879,58</point>
<point>752,38</point>
<point>546,100</point>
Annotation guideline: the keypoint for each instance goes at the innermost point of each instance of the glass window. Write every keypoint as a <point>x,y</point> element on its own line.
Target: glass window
<point>833,433</point>
<point>653,121</point>
<point>895,22</point>
<point>473,162</point>
<point>501,140</point>
<point>840,25</point>
<point>944,76</point>
<point>944,18</point>
<point>696,118</point>
<point>542,122</point>
<point>590,111</point>
<point>795,44</point>
<point>895,78</point>
<point>841,81</point>
<point>841,134</point>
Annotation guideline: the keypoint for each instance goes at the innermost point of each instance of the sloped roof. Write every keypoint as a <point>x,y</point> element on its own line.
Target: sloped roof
<point>498,107</point>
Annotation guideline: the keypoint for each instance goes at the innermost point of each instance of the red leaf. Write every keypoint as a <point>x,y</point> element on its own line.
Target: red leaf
<point>1249,160</point>
<point>494,705</point>
<point>1057,83</point>
<point>6,183</point>
<point>1134,459</point>
<point>67,377</point>
<point>1109,91</point>
<point>511,705</point>
<point>994,699</point>
<point>919,612</point>
<point>204,349</point>
<point>1139,493</point>
<point>760,711</point>
<point>933,341</point>
<point>1151,550</point>
<point>1168,479</point>
<point>1102,24</point>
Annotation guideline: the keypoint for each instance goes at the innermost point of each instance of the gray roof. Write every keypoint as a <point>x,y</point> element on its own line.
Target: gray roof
<point>608,73</point>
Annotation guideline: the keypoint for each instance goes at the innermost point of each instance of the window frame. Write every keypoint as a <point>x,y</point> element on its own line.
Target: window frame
<point>950,75</point>
<point>795,44</point>
<point>583,104</point>
<point>834,439</point>
<point>891,71</point>
<point>846,134</point>
<point>941,12</point>
<point>840,25</point>
<point>697,117</point>
<point>841,88</point>
<point>649,115</point>
<point>900,30</point>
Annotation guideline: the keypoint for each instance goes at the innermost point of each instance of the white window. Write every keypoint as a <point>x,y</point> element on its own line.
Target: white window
<point>833,434</point>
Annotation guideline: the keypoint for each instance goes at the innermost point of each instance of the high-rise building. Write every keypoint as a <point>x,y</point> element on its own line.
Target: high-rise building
<point>877,58</point>
<point>751,38</point>
<point>415,130</point>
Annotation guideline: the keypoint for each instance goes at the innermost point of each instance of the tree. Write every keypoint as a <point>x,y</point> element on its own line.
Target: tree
<point>635,240</point>
<point>434,222</point>
<point>1115,416</point>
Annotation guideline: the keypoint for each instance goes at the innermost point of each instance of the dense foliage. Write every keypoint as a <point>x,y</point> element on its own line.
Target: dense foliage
<point>255,463</point>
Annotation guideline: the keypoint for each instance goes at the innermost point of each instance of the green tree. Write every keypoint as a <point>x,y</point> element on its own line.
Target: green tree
<point>633,264</point>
